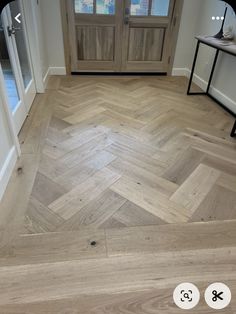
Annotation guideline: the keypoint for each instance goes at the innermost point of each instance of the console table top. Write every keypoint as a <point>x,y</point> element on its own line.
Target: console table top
<point>228,46</point>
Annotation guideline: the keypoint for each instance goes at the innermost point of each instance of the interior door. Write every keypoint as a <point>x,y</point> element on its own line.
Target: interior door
<point>95,28</point>
<point>148,28</point>
<point>17,70</point>
<point>22,52</point>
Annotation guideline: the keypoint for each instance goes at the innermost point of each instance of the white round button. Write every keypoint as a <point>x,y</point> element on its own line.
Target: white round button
<point>186,296</point>
<point>218,296</point>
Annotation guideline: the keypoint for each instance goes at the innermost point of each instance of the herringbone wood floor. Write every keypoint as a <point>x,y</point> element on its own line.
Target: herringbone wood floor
<point>130,151</point>
<point>101,153</point>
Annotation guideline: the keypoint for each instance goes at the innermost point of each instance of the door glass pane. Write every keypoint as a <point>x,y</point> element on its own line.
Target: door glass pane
<point>9,78</point>
<point>105,6</point>
<point>21,44</point>
<point>84,6</point>
<point>160,7</point>
<point>139,7</point>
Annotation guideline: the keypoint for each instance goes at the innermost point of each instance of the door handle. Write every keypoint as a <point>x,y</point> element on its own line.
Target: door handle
<point>12,30</point>
<point>127,13</point>
<point>126,20</point>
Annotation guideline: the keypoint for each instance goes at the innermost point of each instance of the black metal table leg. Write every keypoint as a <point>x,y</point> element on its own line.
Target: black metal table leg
<point>212,71</point>
<point>193,68</point>
<point>233,132</point>
<point>207,93</point>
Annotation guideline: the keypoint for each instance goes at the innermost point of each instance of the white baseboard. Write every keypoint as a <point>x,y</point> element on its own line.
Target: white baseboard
<point>46,78</point>
<point>228,102</point>
<point>7,170</point>
<point>53,71</point>
<point>57,71</point>
<point>180,72</point>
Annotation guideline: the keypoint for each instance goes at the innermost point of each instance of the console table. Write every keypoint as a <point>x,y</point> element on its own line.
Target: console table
<point>228,47</point>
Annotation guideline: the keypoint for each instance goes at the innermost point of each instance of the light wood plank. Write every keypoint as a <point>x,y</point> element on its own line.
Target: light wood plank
<point>196,187</point>
<point>68,205</point>
<point>152,201</point>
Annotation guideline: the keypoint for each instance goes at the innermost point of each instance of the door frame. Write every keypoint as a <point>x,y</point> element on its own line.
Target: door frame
<point>175,25</point>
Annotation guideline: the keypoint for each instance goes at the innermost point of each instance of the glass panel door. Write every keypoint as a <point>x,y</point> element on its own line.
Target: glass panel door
<point>95,31</point>
<point>15,62</point>
<point>17,29</point>
<point>11,75</point>
<point>122,35</point>
<point>147,32</point>
<point>21,43</point>
<point>8,73</point>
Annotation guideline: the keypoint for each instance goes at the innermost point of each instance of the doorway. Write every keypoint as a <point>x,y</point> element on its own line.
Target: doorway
<point>16,63</point>
<point>122,36</point>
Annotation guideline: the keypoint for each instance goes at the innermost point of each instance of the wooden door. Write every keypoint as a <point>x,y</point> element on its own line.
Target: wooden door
<point>149,35</point>
<point>122,35</point>
<point>95,28</point>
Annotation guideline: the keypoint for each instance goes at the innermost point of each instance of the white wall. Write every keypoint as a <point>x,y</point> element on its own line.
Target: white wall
<point>201,16</point>
<point>53,36</point>
<point>42,40</point>
<point>188,28</point>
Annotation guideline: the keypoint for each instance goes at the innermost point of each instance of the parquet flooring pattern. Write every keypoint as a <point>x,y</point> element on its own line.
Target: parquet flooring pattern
<point>130,151</point>
<point>125,188</point>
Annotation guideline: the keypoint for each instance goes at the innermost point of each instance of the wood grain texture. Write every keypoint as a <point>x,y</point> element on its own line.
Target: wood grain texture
<point>95,43</point>
<point>124,152</point>
<point>112,210</point>
<point>103,42</point>
<point>146,44</point>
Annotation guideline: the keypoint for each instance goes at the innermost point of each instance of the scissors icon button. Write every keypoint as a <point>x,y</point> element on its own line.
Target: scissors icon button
<point>217,295</point>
